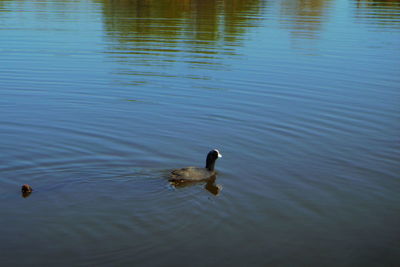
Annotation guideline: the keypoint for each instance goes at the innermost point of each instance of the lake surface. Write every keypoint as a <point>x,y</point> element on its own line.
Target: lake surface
<point>99,100</point>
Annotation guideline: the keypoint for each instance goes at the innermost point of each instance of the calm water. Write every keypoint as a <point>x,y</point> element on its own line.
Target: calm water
<point>100,99</point>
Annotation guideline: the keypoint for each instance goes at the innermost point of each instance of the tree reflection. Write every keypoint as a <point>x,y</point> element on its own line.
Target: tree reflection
<point>305,17</point>
<point>166,27</point>
<point>384,13</point>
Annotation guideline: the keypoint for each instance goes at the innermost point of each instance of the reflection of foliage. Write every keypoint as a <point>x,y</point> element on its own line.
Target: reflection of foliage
<point>2,3</point>
<point>207,20</point>
<point>385,13</point>
<point>233,18</point>
<point>162,33</point>
<point>306,16</point>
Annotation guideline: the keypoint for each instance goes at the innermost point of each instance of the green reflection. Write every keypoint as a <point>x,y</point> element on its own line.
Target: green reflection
<point>383,12</point>
<point>153,39</point>
<point>304,18</point>
<point>153,27</point>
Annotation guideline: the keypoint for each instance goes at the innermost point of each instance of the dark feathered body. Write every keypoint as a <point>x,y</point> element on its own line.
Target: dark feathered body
<point>191,173</point>
<point>197,173</point>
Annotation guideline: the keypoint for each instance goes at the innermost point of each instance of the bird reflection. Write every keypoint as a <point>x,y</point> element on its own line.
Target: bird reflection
<point>26,194</point>
<point>210,184</point>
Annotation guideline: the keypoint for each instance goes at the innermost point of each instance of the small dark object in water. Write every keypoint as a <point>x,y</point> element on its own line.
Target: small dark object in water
<point>26,190</point>
<point>197,173</point>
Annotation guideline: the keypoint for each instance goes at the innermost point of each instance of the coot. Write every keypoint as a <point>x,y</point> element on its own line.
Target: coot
<point>197,173</point>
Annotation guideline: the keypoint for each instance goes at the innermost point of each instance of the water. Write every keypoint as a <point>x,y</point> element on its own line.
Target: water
<point>99,100</point>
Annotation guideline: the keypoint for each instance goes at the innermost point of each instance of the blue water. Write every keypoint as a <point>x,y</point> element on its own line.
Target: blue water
<point>99,100</point>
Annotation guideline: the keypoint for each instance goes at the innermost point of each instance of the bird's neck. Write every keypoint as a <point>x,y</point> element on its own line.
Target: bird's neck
<point>210,165</point>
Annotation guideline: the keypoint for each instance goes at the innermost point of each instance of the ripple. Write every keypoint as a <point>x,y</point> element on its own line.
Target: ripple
<point>100,99</point>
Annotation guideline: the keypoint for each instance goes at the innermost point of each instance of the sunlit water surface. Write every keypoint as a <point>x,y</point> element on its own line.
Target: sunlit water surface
<point>99,100</point>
